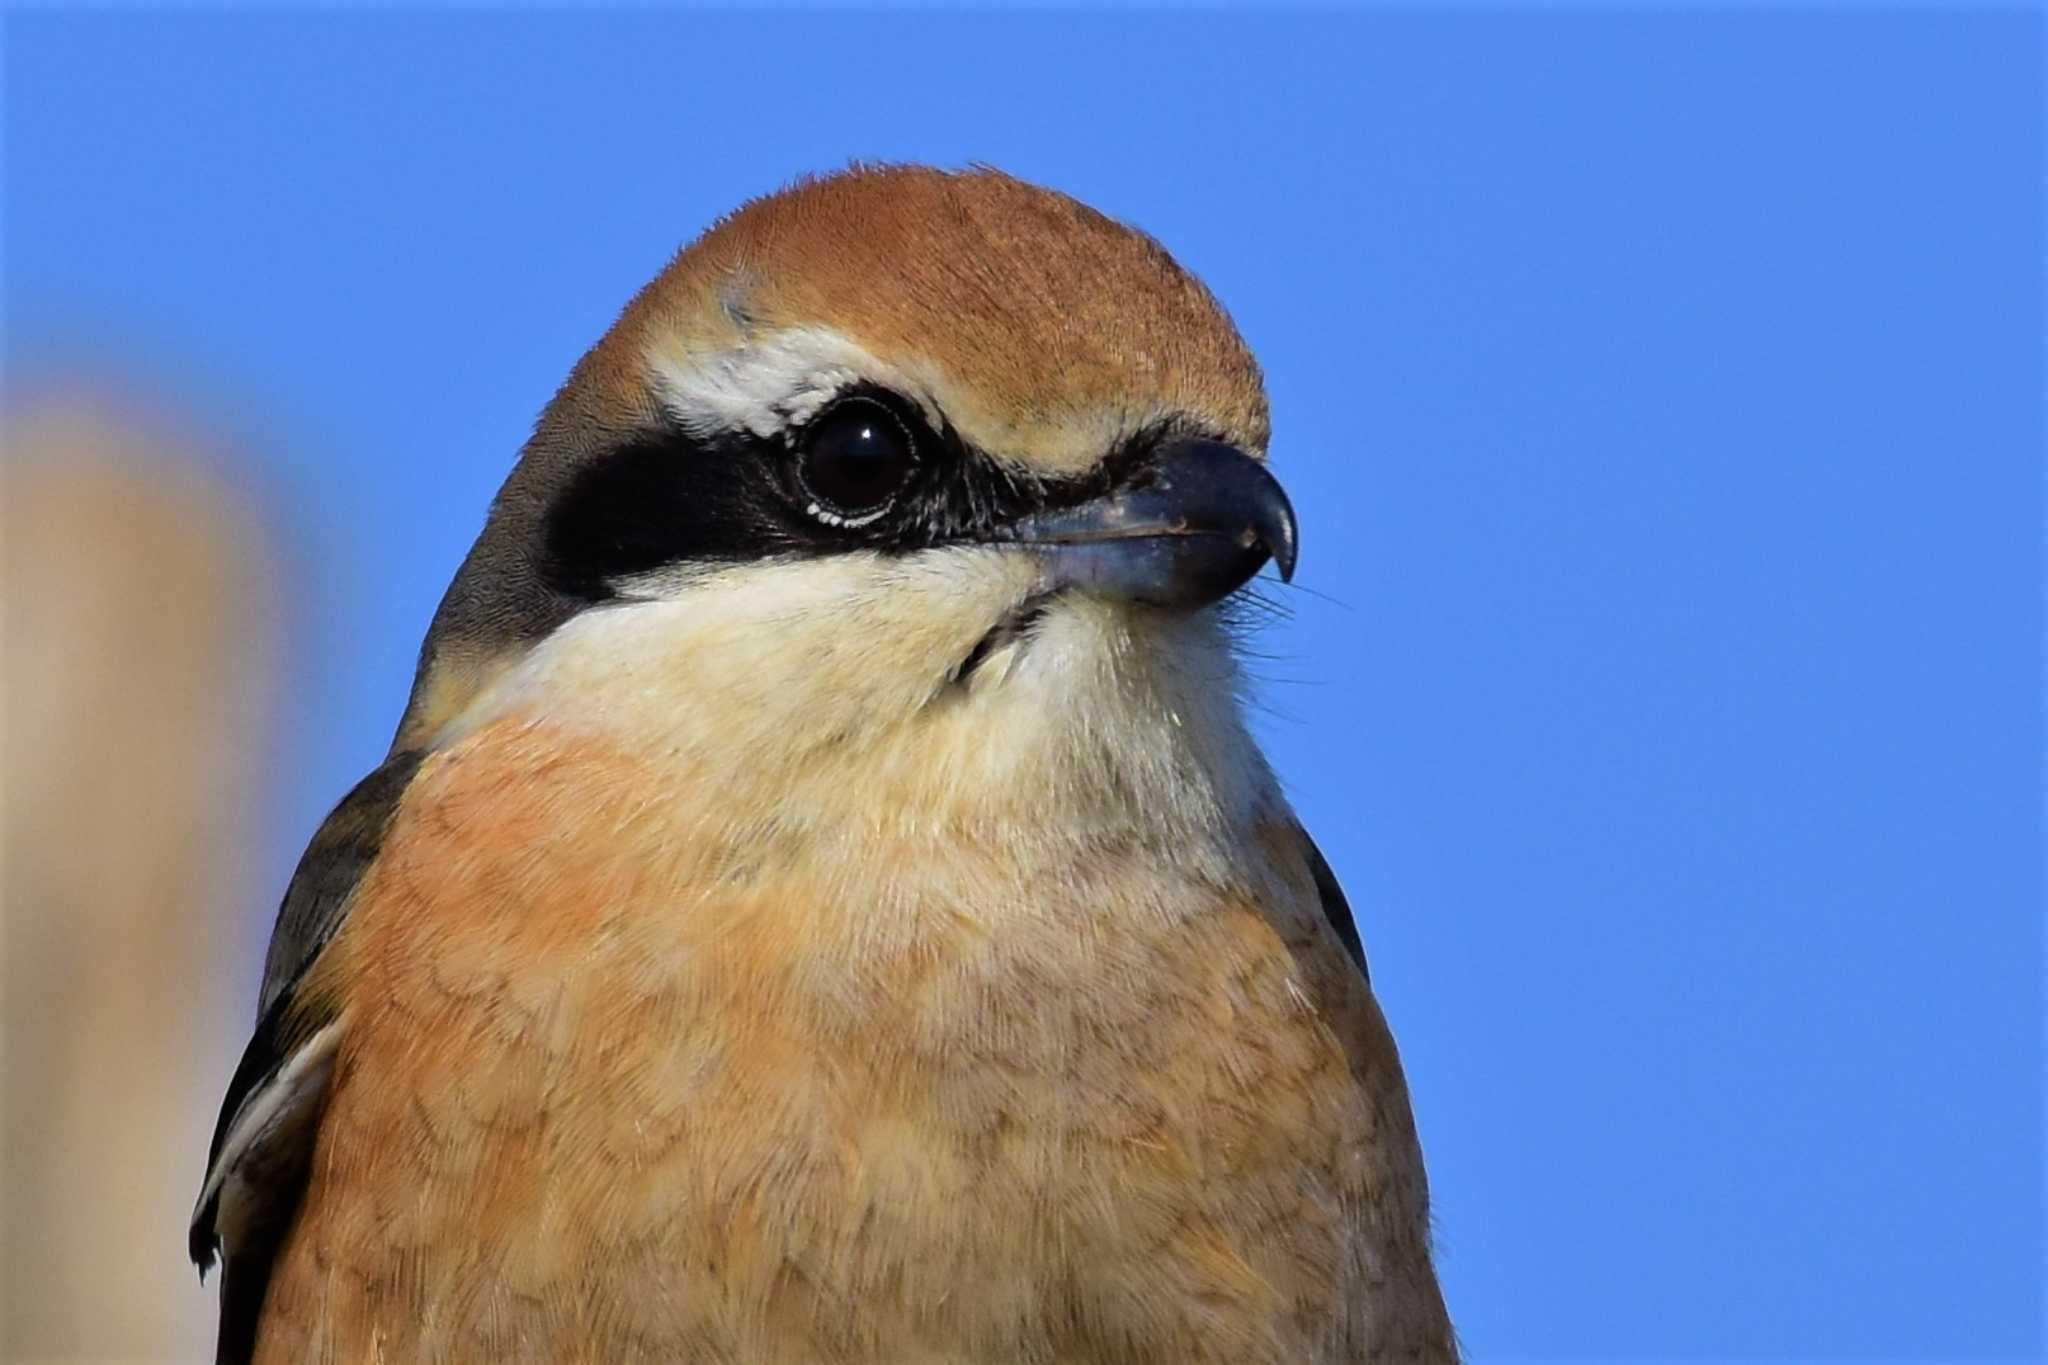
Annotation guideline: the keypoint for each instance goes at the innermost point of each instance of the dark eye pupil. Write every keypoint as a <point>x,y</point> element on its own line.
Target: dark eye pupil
<point>856,457</point>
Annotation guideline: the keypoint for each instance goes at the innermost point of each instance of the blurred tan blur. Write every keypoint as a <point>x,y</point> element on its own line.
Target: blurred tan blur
<point>138,657</point>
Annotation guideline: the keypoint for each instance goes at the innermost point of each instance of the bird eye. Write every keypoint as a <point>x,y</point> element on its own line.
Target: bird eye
<point>853,460</point>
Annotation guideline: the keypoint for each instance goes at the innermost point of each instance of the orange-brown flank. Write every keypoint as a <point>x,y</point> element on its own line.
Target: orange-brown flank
<point>603,1098</point>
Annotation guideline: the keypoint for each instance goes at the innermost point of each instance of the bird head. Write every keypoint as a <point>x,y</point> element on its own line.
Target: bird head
<point>897,470</point>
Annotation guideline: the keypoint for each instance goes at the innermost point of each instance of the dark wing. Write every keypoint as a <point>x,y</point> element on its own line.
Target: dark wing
<point>262,1145</point>
<point>342,850</point>
<point>1336,909</point>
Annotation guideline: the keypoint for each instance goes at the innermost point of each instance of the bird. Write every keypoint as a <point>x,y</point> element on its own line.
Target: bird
<point>823,901</point>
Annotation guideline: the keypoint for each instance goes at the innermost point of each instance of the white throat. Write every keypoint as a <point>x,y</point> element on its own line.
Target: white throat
<point>825,695</point>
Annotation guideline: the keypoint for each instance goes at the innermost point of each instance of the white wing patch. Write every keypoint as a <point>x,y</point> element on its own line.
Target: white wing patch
<point>272,1130</point>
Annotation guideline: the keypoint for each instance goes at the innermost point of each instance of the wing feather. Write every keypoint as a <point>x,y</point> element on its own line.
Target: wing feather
<point>1336,909</point>
<point>263,1142</point>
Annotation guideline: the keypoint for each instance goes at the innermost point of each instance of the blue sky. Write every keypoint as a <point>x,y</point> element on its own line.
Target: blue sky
<point>1661,396</point>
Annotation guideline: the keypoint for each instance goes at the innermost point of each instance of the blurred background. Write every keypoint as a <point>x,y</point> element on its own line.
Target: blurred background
<point>1662,396</point>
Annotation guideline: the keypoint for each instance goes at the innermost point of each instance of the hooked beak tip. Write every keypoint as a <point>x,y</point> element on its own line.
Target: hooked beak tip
<point>1282,540</point>
<point>1207,519</point>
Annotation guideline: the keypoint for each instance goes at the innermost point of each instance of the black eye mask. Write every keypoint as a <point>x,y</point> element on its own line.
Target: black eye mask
<point>867,472</point>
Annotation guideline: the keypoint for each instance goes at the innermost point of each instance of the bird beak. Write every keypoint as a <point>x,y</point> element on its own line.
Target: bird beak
<point>1194,533</point>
